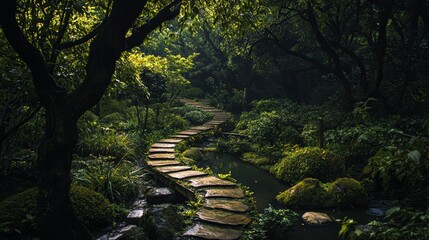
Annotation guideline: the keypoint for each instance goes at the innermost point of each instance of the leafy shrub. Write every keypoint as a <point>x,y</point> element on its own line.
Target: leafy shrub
<point>110,105</point>
<point>346,192</point>
<point>399,223</point>
<point>91,207</point>
<point>192,92</point>
<point>113,118</point>
<point>198,117</point>
<point>307,162</point>
<point>402,170</point>
<point>233,145</point>
<point>106,142</point>
<point>272,224</point>
<point>117,182</point>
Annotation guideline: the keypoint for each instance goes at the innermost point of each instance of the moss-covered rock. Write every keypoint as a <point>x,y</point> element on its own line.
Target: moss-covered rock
<point>91,207</point>
<point>256,159</point>
<point>162,222</point>
<point>346,192</point>
<point>309,192</point>
<point>193,153</point>
<point>309,162</point>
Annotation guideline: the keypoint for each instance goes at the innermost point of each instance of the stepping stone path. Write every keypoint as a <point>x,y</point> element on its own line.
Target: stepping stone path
<point>223,213</point>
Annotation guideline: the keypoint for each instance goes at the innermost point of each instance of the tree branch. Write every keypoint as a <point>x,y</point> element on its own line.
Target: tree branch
<point>167,13</point>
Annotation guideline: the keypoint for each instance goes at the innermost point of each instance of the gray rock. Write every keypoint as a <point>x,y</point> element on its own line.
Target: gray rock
<point>162,222</point>
<point>160,195</point>
<point>127,228</point>
<point>135,215</point>
<point>316,218</point>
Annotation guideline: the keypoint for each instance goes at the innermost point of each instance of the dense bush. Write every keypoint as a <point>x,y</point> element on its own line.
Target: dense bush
<point>307,162</point>
<point>192,93</point>
<point>117,182</point>
<point>233,145</point>
<point>272,224</point>
<point>194,115</point>
<point>193,153</point>
<point>19,211</point>
<point>403,169</point>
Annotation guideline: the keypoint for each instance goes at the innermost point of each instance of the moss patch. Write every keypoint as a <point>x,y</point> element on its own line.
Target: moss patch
<point>193,153</point>
<point>310,192</point>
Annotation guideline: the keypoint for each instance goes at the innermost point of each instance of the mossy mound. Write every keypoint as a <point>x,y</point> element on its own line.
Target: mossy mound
<point>309,162</point>
<point>91,207</point>
<point>307,193</point>
<point>310,192</point>
<point>193,153</point>
<point>346,192</point>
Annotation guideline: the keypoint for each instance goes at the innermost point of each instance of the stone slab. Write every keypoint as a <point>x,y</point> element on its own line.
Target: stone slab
<point>135,215</point>
<point>224,217</point>
<point>161,150</point>
<point>162,156</point>
<point>170,169</point>
<point>212,232</point>
<point>316,218</point>
<point>189,133</point>
<point>209,181</point>
<point>227,193</point>
<point>163,145</point>
<point>180,136</point>
<point>230,205</point>
<point>201,128</point>
<point>187,174</point>
<point>162,163</point>
<point>170,140</point>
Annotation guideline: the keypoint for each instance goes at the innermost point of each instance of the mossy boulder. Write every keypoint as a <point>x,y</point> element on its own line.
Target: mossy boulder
<point>309,162</point>
<point>193,153</point>
<point>346,192</point>
<point>310,192</point>
<point>162,222</point>
<point>91,207</point>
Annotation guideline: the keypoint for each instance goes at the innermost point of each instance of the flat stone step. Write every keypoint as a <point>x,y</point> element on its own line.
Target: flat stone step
<point>209,181</point>
<point>163,145</point>
<point>162,156</point>
<point>161,150</point>
<point>162,163</point>
<point>227,193</point>
<point>230,205</point>
<point>170,141</point>
<point>212,232</point>
<point>180,136</point>
<point>189,133</point>
<point>169,169</point>
<point>201,128</point>
<point>224,217</point>
<point>187,174</point>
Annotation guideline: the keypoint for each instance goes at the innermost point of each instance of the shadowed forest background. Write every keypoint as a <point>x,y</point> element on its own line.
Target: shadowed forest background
<point>328,97</point>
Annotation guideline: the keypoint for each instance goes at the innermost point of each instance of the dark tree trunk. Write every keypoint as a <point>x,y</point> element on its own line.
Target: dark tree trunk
<point>57,219</point>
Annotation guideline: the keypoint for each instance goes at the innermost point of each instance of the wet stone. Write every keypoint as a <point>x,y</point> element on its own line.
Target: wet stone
<point>190,133</point>
<point>127,228</point>
<point>180,136</point>
<point>135,215</point>
<point>227,193</point>
<point>161,150</point>
<point>140,204</point>
<point>172,169</point>
<point>160,195</point>
<point>224,217</point>
<point>187,174</point>
<point>116,236</point>
<point>162,163</point>
<point>163,145</point>
<point>170,141</point>
<point>230,205</point>
<point>213,232</point>
<point>163,156</point>
<point>209,181</point>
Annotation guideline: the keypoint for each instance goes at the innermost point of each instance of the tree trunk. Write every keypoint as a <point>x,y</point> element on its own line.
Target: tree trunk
<point>56,216</point>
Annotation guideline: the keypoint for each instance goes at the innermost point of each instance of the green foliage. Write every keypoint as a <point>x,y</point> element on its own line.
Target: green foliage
<point>105,141</point>
<point>403,169</point>
<point>233,145</point>
<point>272,224</point>
<point>307,162</point>
<point>198,117</point>
<point>310,192</point>
<point>92,208</point>
<point>192,93</point>
<point>399,223</point>
<point>118,182</point>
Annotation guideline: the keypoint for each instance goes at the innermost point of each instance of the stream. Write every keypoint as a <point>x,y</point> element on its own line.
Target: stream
<point>265,187</point>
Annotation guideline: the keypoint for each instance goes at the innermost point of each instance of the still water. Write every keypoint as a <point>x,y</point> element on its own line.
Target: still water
<point>265,187</point>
